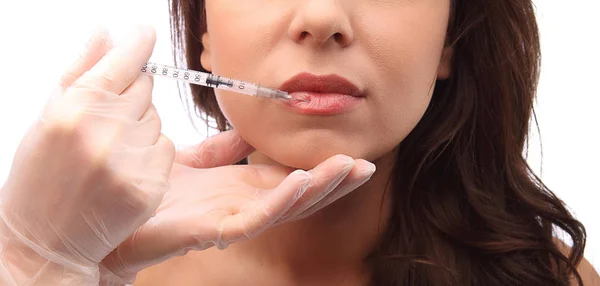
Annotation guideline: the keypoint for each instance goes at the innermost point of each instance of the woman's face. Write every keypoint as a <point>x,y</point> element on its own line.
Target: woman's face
<point>368,67</point>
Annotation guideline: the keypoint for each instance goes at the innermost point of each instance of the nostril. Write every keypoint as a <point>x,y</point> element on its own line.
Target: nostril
<point>338,37</point>
<point>303,35</point>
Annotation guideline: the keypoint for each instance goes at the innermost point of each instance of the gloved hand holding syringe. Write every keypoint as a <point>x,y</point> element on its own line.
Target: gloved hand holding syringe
<point>97,193</point>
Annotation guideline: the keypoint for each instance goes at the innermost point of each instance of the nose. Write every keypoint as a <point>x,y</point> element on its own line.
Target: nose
<point>320,22</point>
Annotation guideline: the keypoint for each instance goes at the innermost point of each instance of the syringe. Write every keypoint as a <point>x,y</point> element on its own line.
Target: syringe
<point>215,81</point>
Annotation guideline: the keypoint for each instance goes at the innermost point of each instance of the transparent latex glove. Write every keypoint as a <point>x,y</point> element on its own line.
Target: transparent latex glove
<point>89,172</point>
<point>213,203</point>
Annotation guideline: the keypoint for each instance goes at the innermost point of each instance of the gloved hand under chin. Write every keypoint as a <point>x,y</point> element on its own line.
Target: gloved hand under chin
<point>213,203</point>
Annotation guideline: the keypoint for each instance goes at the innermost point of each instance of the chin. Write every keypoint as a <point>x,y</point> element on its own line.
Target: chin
<point>305,150</point>
<point>304,159</point>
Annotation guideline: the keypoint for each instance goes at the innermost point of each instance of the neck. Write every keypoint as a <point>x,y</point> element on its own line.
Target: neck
<point>334,240</point>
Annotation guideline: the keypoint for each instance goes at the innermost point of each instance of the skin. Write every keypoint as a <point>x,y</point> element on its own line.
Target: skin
<point>397,50</point>
<point>395,47</point>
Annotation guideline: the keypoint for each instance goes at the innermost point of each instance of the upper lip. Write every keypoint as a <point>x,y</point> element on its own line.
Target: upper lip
<point>332,83</point>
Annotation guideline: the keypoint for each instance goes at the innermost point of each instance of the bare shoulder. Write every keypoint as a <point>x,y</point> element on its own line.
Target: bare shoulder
<point>587,272</point>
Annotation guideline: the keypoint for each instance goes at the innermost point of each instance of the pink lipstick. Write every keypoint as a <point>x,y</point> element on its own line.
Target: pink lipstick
<point>327,94</point>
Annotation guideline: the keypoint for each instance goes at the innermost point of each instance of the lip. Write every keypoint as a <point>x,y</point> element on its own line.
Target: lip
<point>327,94</point>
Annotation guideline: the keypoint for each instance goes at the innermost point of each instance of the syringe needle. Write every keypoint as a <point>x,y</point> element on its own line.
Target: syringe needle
<point>299,97</point>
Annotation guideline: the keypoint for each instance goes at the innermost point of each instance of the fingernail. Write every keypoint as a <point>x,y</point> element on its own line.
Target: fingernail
<point>305,182</point>
<point>85,46</point>
<point>367,173</point>
<point>348,162</point>
<point>370,169</point>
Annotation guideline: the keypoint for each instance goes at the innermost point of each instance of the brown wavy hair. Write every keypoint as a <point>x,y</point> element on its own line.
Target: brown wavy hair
<point>467,208</point>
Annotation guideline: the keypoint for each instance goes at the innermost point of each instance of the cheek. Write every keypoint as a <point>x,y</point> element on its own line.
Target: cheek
<point>244,113</point>
<point>241,35</point>
<point>405,48</point>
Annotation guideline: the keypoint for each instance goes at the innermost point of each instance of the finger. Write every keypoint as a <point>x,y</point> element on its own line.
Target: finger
<point>108,277</point>
<point>132,104</point>
<point>146,131</point>
<point>159,167</point>
<point>150,244</point>
<point>137,98</point>
<point>156,241</point>
<point>250,222</point>
<point>359,175</point>
<point>156,161</point>
<point>122,64</point>
<point>225,148</point>
<point>97,46</point>
<point>326,177</point>
<point>165,154</point>
<point>136,252</point>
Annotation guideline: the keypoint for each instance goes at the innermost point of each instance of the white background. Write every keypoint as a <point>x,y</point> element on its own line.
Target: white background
<point>39,39</point>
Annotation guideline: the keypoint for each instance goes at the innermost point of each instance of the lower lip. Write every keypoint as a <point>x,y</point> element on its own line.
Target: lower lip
<point>323,103</point>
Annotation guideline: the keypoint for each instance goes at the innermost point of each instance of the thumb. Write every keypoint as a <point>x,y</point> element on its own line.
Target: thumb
<point>151,244</point>
<point>225,148</point>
